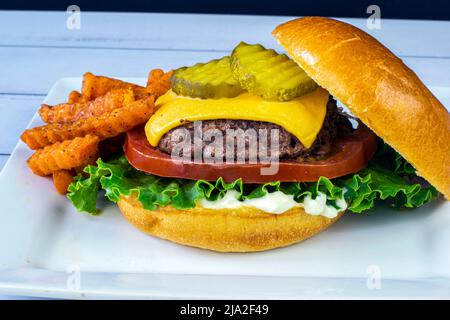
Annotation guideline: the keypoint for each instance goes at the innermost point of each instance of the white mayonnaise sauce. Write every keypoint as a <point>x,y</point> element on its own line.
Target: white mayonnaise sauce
<point>318,206</point>
<point>278,202</point>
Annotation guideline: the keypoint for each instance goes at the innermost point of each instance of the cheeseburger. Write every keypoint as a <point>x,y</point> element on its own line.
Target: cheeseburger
<point>251,151</point>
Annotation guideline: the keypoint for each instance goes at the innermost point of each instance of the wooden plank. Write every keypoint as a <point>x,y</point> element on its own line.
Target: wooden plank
<point>152,31</point>
<point>34,70</point>
<point>3,159</point>
<point>15,114</point>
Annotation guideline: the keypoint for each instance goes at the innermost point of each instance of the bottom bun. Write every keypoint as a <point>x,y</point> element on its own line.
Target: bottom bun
<point>244,229</point>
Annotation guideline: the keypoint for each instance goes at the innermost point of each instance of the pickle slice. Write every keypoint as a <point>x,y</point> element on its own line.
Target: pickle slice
<point>212,80</point>
<point>270,75</point>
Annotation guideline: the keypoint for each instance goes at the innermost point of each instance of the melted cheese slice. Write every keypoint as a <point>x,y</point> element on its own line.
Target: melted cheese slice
<point>302,117</point>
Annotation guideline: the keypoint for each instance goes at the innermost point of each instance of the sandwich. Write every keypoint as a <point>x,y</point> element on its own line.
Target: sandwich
<point>254,151</point>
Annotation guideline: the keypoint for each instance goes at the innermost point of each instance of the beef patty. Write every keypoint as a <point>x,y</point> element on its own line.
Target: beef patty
<point>289,147</point>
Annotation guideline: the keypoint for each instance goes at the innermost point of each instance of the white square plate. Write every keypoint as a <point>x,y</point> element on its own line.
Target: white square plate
<point>46,247</point>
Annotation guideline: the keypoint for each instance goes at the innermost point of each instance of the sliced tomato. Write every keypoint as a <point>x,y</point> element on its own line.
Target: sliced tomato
<point>351,154</point>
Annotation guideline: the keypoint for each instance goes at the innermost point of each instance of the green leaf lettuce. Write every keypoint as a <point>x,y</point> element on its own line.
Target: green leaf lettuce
<point>388,178</point>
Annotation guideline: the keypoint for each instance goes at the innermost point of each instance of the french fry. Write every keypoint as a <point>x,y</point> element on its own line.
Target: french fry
<point>64,155</point>
<point>95,86</point>
<point>65,112</point>
<point>107,125</point>
<point>153,76</point>
<point>158,82</point>
<point>74,97</point>
<point>61,180</point>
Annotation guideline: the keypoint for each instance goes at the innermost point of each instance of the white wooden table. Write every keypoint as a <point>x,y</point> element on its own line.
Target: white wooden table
<point>36,49</point>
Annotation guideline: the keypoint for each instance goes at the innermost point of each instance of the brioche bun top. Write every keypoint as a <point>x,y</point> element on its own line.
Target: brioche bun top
<point>378,88</point>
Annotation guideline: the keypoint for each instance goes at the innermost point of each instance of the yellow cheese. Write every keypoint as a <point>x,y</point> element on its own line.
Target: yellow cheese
<point>302,117</point>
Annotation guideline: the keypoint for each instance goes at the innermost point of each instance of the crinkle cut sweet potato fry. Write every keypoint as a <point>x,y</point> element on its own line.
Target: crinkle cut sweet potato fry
<point>158,82</point>
<point>105,126</point>
<point>95,86</point>
<point>74,97</point>
<point>64,155</point>
<point>62,179</point>
<point>65,112</point>
<point>154,75</point>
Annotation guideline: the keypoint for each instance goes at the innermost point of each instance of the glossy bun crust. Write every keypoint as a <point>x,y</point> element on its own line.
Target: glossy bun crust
<point>378,88</point>
<point>228,230</point>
